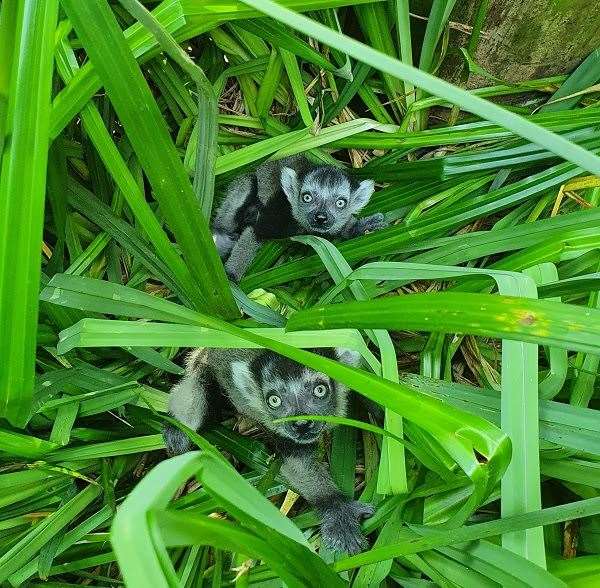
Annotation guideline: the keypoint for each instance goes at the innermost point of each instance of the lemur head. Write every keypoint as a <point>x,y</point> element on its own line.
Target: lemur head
<point>325,198</point>
<point>274,387</point>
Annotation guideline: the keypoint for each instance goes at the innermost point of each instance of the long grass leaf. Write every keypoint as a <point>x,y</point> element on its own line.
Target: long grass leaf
<point>22,196</point>
<point>146,129</point>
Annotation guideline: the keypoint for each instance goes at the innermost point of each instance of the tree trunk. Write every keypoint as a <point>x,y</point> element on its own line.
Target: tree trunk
<point>526,39</point>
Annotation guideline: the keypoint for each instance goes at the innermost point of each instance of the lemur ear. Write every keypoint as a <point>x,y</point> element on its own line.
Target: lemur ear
<point>289,183</point>
<point>348,356</point>
<point>242,378</point>
<point>362,194</point>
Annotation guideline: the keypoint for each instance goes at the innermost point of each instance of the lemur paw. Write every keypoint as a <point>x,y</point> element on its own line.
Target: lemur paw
<point>373,223</point>
<point>340,529</point>
<point>176,441</point>
<point>233,272</point>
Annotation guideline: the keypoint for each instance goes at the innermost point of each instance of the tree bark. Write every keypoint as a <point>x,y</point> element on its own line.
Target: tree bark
<point>526,39</point>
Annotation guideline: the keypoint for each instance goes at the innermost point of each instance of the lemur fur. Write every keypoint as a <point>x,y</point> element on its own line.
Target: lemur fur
<point>286,198</point>
<point>264,386</point>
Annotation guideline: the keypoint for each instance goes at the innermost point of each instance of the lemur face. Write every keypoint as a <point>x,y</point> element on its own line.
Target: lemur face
<point>303,392</point>
<point>277,387</point>
<point>325,199</point>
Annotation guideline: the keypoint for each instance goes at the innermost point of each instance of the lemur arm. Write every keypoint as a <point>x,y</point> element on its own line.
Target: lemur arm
<point>340,516</point>
<point>359,226</point>
<point>242,254</point>
<point>189,403</point>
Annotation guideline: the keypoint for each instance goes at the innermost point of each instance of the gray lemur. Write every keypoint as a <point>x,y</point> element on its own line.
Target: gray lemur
<point>265,386</point>
<point>286,198</point>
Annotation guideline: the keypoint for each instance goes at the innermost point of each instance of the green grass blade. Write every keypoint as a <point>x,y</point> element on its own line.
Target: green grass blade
<point>392,472</point>
<point>438,18</point>
<point>537,321</point>
<point>22,194</point>
<point>295,77</point>
<point>8,32</point>
<point>146,129</point>
<point>585,75</point>
<point>403,32</point>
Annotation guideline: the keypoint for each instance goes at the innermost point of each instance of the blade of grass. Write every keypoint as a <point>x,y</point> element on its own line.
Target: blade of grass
<point>585,75</point>
<point>373,20</point>
<point>295,77</point>
<point>438,18</point>
<point>404,35</point>
<point>22,201</point>
<point>268,86</point>
<point>147,131</point>
<point>8,34</point>
<point>537,321</point>
<point>392,469</point>
<point>206,126</point>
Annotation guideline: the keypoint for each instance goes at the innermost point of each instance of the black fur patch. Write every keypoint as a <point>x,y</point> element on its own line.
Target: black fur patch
<point>220,405</point>
<point>275,220</point>
<point>330,176</point>
<point>279,366</point>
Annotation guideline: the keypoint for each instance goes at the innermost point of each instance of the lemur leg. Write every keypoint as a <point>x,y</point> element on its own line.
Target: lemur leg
<point>242,254</point>
<point>224,243</point>
<point>360,226</point>
<point>189,404</point>
<point>340,516</point>
<point>237,210</point>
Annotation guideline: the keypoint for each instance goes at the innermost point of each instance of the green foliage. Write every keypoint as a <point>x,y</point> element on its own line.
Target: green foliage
<point>476,312</point>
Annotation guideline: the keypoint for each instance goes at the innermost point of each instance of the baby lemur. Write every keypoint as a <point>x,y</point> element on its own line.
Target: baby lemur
<point>286,198</point>
<point>265,386</point>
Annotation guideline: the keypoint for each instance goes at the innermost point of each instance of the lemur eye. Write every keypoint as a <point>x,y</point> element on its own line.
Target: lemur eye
<point>274,401</point>
<point>340,202</point>
<point>306,197</point>
<point>320,390</point>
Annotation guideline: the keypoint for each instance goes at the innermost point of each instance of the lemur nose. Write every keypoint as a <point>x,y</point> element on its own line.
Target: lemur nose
<point>302,427</point>
<point>321,218</point>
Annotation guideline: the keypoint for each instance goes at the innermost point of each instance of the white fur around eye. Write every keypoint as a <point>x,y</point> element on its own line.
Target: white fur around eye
<point>274,401</point>
<point>340,202</point>
<point>306,198</point>
<point>320,390</point>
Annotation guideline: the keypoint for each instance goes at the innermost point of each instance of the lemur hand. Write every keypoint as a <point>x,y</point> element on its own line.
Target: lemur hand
<point>340,527</point>
<point>176,441</point>
<point>369,224</point>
